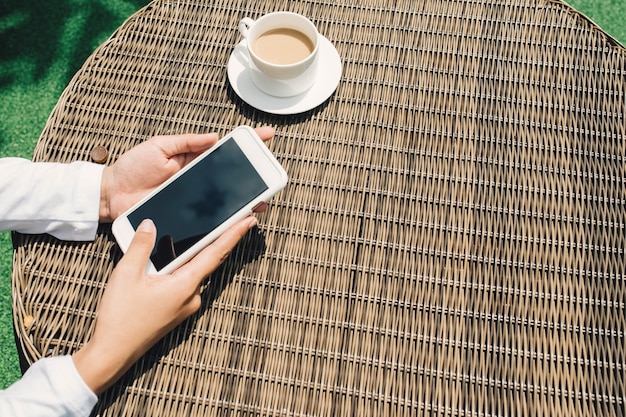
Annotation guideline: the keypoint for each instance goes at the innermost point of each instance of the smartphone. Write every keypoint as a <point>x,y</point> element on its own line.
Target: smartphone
<point>200,202</point>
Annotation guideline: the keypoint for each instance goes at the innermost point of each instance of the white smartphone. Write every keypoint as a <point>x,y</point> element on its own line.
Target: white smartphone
<point>196,205</point>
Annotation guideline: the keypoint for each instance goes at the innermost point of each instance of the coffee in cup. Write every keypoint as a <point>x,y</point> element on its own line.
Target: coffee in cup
<point>283,51</point>
<point>283,46</point>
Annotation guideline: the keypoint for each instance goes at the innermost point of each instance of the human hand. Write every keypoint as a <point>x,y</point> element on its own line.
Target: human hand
<point>146,166</point>
<point>138,309</point>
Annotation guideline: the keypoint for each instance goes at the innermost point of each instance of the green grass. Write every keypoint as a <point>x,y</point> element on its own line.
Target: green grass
<point>608,14</point>
<point>43,43</point>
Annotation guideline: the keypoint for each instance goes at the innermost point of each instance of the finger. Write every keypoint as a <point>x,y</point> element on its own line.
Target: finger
<point>265,132</point>
<point>141,246</point>
<point>211,257</point>
<point>189,143</point>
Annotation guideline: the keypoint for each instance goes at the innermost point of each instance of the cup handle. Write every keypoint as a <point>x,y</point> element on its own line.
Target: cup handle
<point>244,26</point>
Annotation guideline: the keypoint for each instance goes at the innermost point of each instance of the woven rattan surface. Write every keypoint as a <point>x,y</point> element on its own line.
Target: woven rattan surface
<point>451,241</point>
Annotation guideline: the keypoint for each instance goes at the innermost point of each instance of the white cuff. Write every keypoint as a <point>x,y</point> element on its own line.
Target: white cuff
<point>50,387</point>
<point>46,197</point>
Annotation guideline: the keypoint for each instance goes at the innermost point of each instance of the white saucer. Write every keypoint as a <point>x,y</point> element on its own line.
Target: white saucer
<point>328,76</point>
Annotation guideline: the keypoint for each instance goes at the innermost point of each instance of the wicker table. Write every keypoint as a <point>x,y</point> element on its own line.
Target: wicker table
<point>451,241</point>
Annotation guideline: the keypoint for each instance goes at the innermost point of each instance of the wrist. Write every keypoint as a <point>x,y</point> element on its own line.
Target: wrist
<point>105,200</point>
<point>98,366</point>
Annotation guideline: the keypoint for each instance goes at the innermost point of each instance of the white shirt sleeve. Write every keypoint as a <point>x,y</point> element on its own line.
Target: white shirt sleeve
<point>64,201</point>
<point>52,387</point>
<point>46,197</point>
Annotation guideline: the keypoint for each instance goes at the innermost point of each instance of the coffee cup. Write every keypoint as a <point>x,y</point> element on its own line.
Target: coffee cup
<point>283,50</point>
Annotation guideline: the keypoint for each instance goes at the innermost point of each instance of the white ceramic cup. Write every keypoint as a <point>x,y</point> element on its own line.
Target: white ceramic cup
<point>280,80</point>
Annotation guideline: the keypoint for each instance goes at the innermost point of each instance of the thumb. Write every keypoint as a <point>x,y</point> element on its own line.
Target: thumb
<point>141,246</point>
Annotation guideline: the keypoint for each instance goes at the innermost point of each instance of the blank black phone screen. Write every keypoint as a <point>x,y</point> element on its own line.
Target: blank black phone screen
<point>199,200</point>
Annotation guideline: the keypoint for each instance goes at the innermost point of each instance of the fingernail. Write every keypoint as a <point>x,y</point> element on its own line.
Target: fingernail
<point>146,226</point>
<point>253,222</point>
